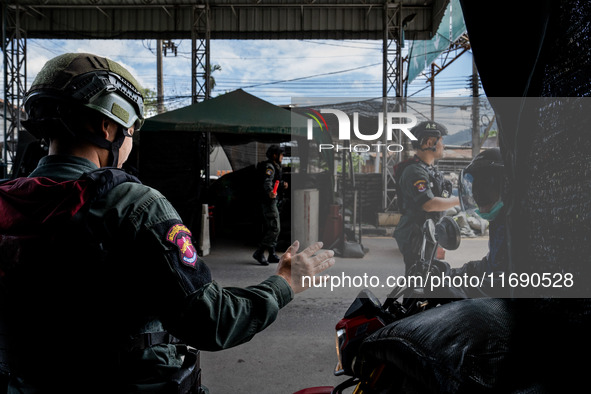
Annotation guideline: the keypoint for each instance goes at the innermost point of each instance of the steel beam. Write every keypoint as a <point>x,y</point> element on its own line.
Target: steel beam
<point>200,59</point>
<point>15,78</point>
<point>201,72</point>
<point>392,85</point>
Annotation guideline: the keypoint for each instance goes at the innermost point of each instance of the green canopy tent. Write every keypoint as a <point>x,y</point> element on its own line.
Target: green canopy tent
<point>238,117</point>
<point>174,150</point>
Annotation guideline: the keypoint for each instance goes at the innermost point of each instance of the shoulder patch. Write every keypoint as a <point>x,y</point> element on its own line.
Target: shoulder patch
<point>420,185</point>
<point>180,236</point>
<point>269,172</point>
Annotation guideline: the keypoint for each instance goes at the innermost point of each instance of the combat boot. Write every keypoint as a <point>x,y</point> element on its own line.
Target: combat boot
<point>259,256</point>
<point>273,258</point>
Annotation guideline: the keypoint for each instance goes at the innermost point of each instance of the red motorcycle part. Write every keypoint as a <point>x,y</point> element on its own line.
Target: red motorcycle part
<point>355,330</point>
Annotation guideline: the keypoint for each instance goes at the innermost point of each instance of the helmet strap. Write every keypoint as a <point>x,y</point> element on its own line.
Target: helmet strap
<point>116,145</point>
<point>113,147</point>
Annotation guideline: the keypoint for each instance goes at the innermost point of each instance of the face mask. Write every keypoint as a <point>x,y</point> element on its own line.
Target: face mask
<point>492,214</point>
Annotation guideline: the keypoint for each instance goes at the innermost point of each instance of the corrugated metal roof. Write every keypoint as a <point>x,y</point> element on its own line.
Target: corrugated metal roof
<point>229,19</point>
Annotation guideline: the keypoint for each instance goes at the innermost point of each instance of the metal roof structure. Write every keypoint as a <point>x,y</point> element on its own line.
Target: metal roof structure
<point>228,19</point>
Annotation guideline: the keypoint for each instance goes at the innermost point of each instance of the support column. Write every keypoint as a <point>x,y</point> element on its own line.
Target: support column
<point>200,62</point>
<point>200,91</point>
<point>392,84</point>
<point>201,69</point>
<point>15,79</point>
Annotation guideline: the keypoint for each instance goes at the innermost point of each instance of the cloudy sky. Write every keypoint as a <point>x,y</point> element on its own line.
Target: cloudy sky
<point>275,71</point>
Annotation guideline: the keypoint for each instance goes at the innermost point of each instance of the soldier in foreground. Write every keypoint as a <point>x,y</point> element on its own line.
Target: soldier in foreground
<point>101,288</point>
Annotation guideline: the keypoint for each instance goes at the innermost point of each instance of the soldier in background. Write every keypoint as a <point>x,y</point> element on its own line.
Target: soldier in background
<point>422,192</point>
<point>270,173</point>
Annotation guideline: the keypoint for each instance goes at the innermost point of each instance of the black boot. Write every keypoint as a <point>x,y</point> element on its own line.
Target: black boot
<point>259,256</point>
<point>273,258</point>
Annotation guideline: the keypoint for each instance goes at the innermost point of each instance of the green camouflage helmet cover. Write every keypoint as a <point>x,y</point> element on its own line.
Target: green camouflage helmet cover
<point>93,81</point>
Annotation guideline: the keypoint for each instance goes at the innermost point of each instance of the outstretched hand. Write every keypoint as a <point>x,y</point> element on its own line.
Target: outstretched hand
<point>294,266</point>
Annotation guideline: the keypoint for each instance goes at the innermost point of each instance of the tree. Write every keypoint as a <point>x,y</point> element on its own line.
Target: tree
<point>215,67</point>
<point>150,102</point>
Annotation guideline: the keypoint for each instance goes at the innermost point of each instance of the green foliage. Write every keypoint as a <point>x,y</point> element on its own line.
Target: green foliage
<point>150,102</point>
<point>358,161</point>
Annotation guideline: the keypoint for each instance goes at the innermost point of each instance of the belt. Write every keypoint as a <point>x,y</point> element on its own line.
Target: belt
<point>149,339</point>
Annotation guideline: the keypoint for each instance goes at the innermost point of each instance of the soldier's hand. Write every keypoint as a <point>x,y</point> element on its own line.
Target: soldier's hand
<point>308,263</point>
<point>272,195</point>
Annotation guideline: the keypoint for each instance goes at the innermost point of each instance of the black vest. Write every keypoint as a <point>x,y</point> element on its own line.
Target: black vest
<point>52,267</point>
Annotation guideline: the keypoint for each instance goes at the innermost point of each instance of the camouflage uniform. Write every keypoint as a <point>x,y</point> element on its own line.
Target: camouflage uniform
<point>271,174</point>
<point>101,288</point>
<point>81,306</point>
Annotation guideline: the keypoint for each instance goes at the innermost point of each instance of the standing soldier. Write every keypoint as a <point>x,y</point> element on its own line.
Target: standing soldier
<point>422,192</point>
<point>270,172</point>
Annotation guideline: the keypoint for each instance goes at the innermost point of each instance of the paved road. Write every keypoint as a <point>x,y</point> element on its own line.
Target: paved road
<point>298,350</point>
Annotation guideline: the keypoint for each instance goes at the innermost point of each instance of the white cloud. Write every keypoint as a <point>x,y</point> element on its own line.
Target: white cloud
<point>316,65</point>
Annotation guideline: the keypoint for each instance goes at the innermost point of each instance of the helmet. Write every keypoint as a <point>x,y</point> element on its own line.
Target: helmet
<point>481,181</point>
<point>274,150</point>
<point>427,129</point>
<point>95,82</point>
<point>73,81</point>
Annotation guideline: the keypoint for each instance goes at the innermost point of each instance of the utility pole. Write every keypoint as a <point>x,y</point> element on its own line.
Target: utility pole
<point>433,92</point>
<point>162,48</point>
<point>475,112</point>
<point>446,58</point>
<point>160,84</point>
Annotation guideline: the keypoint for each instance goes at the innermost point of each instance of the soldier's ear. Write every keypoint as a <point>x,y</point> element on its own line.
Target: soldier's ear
<point>105,127</point>
<point>108,128</point>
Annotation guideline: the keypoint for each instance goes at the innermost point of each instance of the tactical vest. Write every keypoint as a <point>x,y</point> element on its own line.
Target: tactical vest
<point>52,207</point>
<point>45,237</point>
<point>47,250</point>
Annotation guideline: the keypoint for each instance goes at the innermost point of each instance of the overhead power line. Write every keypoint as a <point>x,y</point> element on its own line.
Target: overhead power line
<point>313,76</point>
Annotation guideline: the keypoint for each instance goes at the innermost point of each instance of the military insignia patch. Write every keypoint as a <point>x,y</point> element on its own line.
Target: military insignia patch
<point>421,185</point>
<point>269,172</point>
<point>180,236</point>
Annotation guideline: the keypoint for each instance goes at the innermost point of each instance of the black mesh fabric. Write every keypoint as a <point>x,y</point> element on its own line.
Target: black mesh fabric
<point>557,207</point>
<point>536,71</point>
<point>544,135</point>
<point>552,227</point>
<point>460,347</point>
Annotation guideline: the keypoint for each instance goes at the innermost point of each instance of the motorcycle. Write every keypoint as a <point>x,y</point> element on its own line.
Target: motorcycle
<point>367,314</point>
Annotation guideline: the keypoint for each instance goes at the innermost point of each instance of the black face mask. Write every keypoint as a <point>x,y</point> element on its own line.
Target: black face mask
<point>486,190</point>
